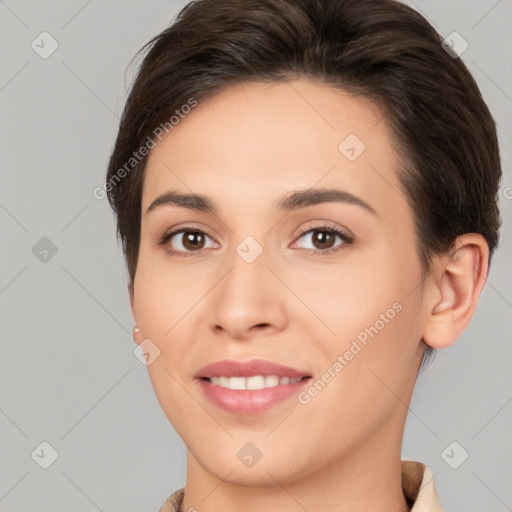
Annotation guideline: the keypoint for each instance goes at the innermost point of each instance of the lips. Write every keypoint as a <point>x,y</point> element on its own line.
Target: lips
<point>229,368</point>
<point>236,386</point>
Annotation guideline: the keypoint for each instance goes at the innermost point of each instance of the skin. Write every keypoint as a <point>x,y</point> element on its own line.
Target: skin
<point>246,148</point>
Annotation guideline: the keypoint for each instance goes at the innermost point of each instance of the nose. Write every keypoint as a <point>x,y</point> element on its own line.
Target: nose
<point>248,301</point>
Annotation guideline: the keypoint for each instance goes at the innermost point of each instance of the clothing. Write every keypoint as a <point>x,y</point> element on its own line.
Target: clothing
<point>417,485</point>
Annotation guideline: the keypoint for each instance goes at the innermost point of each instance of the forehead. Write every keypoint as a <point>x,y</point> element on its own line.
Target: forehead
<point>257,140</point>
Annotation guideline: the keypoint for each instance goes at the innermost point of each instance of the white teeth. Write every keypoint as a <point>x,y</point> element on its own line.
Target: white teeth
<point>237,383</point>
<point>256,382</point>
<point>271,381</point>
<point>253,383</point>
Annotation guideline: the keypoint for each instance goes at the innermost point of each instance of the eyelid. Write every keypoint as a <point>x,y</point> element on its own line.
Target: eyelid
<point>179,228</point>
<point>346,238</point>
<point>326,226</point>
<point>164,239</point>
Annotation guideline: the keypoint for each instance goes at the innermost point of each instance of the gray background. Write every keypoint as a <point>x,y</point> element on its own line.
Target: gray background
<point>68,375</point>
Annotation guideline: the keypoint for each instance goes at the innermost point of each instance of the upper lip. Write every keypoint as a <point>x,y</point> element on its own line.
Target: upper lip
<point>229,368</point>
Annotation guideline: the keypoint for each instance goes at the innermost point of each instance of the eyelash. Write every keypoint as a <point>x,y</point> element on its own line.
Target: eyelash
<point>347,240</point>
<point>167,236</point>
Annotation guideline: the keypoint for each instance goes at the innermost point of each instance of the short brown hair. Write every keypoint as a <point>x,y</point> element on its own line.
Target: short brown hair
<point>378,49</point>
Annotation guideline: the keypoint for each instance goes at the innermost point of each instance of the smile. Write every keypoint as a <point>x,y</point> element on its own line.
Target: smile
<point>254,383</point>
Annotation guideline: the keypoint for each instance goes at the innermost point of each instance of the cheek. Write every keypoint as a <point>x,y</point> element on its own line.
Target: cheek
<point>368,366</point>
<point>165,293</point>
<point>161,304</point>
<point>347,298</point>
<point>369,313</point>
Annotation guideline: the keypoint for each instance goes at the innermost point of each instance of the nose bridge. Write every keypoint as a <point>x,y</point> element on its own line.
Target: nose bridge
<point>246,280</point>
<point>247,296</point>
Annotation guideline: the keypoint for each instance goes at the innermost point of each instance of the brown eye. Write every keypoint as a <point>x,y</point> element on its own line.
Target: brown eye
<point>193,240</point>
<point>323,239</point>
<point>187,240</point>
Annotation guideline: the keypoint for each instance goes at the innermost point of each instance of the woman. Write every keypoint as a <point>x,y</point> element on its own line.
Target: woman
<point>306,196</point>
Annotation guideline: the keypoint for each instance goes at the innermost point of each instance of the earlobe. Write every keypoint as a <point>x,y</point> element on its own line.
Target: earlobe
<point>136,334</point>
<point>454,289</point>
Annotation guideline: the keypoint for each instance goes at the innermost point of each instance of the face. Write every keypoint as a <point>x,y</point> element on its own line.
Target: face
<point>300,252</point>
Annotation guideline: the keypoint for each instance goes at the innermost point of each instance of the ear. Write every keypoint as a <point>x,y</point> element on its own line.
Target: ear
<point>454,288</point>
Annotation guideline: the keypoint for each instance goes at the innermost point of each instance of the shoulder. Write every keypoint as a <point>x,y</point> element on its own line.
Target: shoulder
<point>418,487</point>
<point>174,501</point>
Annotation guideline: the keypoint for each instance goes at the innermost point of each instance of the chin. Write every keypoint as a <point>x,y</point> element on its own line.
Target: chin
<point>258,476</point>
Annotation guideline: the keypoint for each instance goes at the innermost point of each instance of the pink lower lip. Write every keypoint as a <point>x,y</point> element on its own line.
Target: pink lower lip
<point>240,401</point>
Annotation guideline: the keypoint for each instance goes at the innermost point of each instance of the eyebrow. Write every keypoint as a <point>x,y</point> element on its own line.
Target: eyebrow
<point>292,201</point>
<point>190,201</point>
<point>309,197</point>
